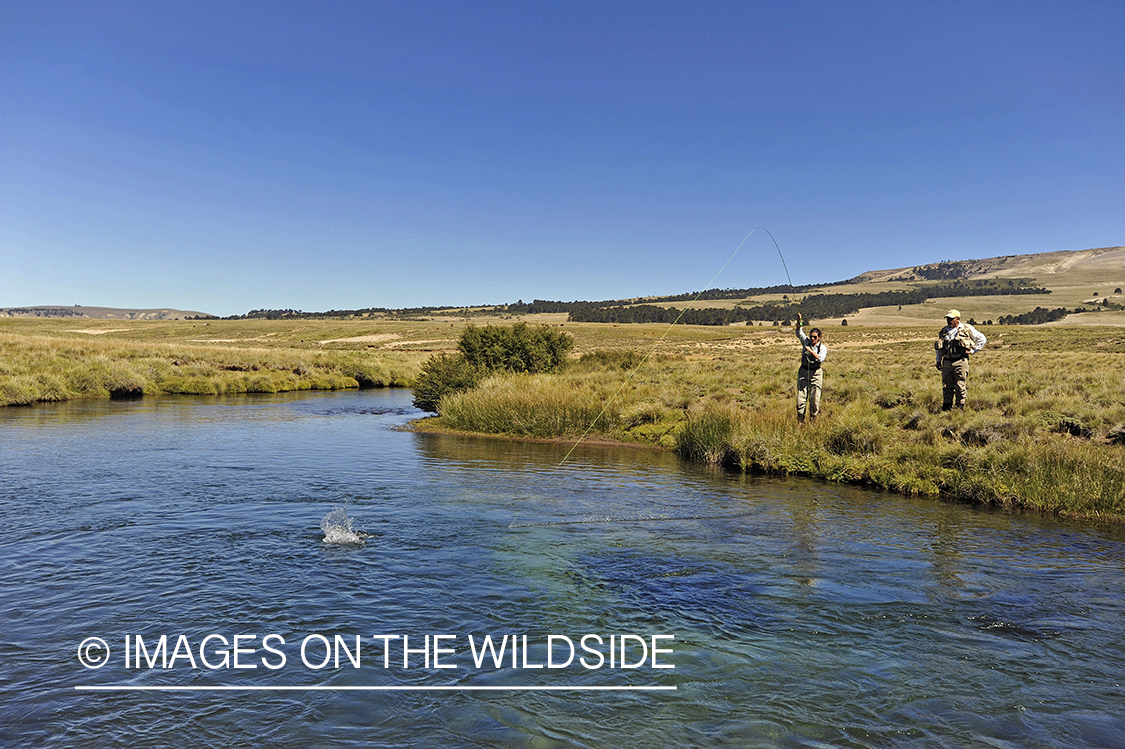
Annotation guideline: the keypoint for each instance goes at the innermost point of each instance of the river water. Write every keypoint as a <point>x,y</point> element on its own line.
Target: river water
<point>794,613</point>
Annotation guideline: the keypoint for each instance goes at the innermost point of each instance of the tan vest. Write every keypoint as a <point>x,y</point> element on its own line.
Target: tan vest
<point>958,347</point>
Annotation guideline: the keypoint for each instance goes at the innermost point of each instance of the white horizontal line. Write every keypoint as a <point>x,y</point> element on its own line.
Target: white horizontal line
<point>321,688</point>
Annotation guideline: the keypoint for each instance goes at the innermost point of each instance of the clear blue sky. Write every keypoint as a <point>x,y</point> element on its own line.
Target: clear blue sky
<point>229,156</point>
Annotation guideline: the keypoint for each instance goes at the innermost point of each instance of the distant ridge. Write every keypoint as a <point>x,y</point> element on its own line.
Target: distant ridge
<point>100,313</point>
<point>1059,261</point>
<point>1074,276</point>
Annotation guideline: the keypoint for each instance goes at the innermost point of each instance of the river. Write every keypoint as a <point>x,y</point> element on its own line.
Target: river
<point>322,578</point>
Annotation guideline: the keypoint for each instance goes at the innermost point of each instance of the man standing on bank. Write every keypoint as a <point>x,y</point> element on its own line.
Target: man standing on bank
<point>810,377</point>
<point>956,342</point>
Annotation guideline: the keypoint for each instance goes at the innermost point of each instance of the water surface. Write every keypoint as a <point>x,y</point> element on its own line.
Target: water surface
<point>803,614</point>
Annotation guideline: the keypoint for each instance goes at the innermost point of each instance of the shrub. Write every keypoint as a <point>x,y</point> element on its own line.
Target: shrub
<point>1065,424</point>
<point>441,375</point>
<point>518,348</point>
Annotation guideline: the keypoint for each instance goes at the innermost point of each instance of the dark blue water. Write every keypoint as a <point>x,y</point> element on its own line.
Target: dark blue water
<point>795,613</point>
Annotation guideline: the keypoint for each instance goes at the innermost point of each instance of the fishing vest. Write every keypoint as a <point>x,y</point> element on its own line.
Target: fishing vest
<point>956,348</point>
<point>808,361</point>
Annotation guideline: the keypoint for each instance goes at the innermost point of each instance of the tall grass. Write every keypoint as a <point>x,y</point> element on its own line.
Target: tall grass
<point>1042,435</point>
<point>707,436</point>
<point>1045,428</point>
<point>526,405</point>
<point>43,368</point>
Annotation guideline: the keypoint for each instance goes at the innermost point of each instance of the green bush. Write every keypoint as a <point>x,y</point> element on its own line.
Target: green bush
<point>518,348</point>
<point>442,375</point>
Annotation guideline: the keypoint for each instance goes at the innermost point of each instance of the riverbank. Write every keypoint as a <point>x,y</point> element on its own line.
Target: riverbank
<point>47,368</point>
<point>1043,430</point>
<point>1061,477</point>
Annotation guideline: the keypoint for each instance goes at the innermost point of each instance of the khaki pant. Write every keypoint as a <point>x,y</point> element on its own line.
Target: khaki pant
<point>954,383</point>
<point>808,391</point>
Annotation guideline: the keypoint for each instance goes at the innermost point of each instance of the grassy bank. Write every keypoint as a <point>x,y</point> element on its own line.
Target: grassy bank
<point>43,368</point>
<point>1043,431</point>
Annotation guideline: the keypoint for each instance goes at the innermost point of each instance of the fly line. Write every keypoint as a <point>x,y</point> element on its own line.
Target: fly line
<point>660,340</point>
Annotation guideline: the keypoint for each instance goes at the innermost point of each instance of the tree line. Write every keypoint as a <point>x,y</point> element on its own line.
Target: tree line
<point>814,306</point>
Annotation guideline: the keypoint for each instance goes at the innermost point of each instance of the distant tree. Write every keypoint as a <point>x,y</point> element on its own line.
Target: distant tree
<point>1038,316</point>
<point>844,322</point>
<point>1105,302</point>
<point>1115,291</point>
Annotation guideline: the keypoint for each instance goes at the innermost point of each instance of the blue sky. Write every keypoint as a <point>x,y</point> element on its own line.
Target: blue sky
<point>225,157</point>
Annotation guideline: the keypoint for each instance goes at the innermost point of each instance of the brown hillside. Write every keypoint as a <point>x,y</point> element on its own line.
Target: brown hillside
<point>98,313</point>
<point>1096,261</point>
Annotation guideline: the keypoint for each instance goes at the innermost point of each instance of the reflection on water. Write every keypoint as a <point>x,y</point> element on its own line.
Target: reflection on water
<point>803,614</point>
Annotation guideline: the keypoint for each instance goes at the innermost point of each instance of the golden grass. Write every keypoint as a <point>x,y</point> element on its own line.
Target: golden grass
<point>54,368</point>
<point>1042,401</point>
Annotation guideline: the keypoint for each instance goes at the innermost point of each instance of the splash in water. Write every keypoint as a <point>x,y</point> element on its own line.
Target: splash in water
<point>338,529</point>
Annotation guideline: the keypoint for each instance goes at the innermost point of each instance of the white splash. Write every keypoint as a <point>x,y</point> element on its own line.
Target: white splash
<point>338,529</point>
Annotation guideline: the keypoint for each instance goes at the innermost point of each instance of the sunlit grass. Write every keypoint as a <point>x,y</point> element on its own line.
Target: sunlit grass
<point>41,368</point>
<point>1038,433</point>
<point>1043,431</point>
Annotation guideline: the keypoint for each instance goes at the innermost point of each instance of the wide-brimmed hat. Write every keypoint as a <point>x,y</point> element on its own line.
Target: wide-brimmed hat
<point>952,314</point>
